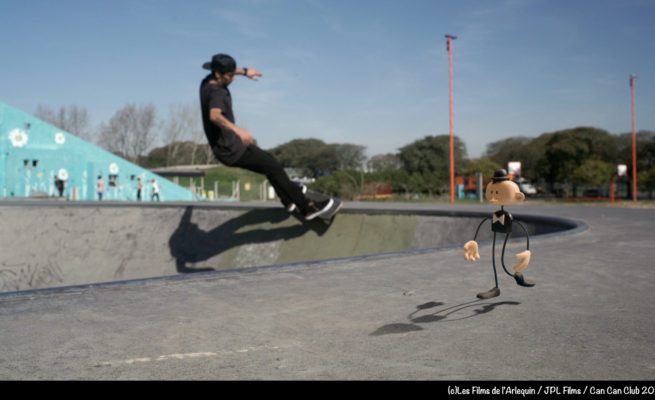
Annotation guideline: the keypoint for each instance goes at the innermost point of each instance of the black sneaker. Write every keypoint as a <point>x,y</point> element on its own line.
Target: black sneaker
<point>317,208</point>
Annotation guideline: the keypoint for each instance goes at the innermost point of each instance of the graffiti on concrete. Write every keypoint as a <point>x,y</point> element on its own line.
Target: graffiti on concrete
<point>28,276</point>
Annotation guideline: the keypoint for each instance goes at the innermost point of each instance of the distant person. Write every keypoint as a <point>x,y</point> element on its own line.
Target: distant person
<point>60,185</point>
<point>233,146</point>
<point>155,190</point>
<point>139,186</point>
<point>100,187</point>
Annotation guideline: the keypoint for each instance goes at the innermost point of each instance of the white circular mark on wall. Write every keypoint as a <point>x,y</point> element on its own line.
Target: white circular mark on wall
<point>60,138</point>
<point>18,138</point>
<point>113,168</point>
<point>62,174</point>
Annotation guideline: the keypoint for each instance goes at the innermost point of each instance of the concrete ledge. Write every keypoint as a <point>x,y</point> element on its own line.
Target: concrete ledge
<point>545,226</point>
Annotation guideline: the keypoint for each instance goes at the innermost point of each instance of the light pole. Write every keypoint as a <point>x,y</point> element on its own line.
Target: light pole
<point>452,135</point>
<point>634,141</point>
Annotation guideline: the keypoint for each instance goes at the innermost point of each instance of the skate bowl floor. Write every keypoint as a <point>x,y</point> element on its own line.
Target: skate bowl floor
<point>408,315</point>
<point>63,244</point>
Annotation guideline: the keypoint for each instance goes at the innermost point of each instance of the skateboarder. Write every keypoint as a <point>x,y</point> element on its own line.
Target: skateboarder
<point>233,146</point>
<point>503,192</point>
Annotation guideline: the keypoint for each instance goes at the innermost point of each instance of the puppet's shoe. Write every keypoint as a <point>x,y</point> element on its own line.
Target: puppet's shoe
<point>495,292</point>
<point>521,281</point>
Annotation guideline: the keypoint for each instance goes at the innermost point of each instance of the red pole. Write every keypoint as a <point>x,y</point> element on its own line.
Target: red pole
<point>452,134</point>
<point>634,141</point>
<point>612,189</point>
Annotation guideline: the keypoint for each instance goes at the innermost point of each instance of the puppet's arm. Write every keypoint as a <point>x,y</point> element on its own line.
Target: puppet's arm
<point>524,256</point>
<point>471,247</point>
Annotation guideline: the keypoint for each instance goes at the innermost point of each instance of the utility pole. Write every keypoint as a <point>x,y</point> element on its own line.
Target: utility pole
<point>634,141</point>
<point>452,135</point>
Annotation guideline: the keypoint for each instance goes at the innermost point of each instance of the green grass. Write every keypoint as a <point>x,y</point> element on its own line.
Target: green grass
<point>225,176</point>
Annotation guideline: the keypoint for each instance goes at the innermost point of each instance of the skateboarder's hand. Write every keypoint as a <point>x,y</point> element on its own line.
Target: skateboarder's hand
<point>253,74</point>
<point>525,260</point>
<point>245,136</point>
<point>471,251</point>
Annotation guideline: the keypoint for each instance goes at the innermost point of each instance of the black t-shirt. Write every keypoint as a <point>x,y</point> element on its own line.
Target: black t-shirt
<point>226,145</point>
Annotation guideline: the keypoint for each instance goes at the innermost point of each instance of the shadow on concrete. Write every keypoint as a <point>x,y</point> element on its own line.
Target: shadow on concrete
<point>190,244</point>
<point>437,316</point>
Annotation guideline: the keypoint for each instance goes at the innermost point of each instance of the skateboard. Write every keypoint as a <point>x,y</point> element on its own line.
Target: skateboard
<point>336,203</point>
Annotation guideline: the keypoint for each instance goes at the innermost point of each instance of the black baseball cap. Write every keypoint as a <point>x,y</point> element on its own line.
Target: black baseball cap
<point>221,63</point>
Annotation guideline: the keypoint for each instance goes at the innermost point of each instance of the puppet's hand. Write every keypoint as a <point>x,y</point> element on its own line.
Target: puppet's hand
<point>471,251</point>
<point>525,260</point>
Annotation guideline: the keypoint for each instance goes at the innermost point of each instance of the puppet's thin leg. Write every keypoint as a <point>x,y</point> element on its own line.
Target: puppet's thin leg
<point>502,256</point>
<point>493,258</point>
<point>495,292</point>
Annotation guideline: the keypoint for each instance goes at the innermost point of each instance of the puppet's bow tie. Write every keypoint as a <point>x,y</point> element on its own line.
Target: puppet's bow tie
<point>501,219</point>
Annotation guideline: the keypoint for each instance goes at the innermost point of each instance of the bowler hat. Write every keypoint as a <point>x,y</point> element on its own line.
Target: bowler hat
<point>500,175</point>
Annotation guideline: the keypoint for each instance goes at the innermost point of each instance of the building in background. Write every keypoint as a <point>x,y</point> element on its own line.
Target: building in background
<point>33,153</point>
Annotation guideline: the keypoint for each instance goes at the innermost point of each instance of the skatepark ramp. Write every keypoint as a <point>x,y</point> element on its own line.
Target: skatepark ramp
<point>54,245</point>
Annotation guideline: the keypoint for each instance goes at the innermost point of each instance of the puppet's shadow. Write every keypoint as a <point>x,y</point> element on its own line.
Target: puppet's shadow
<point>441,315</point>
<point>190,245</point>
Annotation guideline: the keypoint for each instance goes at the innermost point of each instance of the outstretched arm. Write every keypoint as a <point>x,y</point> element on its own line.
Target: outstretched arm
<point>216,116</point>
<point>248,73</point>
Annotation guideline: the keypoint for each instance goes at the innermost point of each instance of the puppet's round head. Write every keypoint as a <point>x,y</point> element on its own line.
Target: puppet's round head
<point>502,191</point>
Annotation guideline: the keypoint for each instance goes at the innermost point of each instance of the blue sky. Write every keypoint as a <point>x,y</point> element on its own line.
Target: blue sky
<point>373,73</point>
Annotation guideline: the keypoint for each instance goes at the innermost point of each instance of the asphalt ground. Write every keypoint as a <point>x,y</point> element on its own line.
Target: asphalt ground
<point>410,316</point>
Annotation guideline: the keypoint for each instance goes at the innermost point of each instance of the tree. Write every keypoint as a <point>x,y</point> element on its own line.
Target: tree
<point>432,154</point>
<point>506,150</point>
<point>74,120</point>
<point>381,162</point>
<point>436,182</point>
<point>208,154</point>
<point>292,154</point>
<point>314,155</point>
<point>566,150</point>
<point>176,130</point>
<point>646,180</point>
<point>343,184</point>
<point>416,182</point>
<point>592,172</point>
<point>130,132</point>
<point>159,157</point>
<point>645,153</point>
<point>321,161</point>
<point>193,119</point>
<point>400,180</point>
<point>349,155</point>
<point>484,165</point>
<point>529,151</point>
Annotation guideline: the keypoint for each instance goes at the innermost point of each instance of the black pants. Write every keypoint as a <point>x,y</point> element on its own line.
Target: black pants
<point>262,162</point>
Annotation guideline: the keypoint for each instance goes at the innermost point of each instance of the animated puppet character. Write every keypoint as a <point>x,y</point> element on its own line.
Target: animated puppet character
<point>503,192</point>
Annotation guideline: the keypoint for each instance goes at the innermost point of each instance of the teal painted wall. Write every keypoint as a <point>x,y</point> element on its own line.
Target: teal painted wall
<point>33,152</point>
